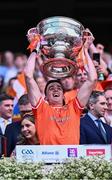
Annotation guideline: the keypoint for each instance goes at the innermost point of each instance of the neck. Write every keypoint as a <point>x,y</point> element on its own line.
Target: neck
<point>94,114</point>
<point>56,104</point>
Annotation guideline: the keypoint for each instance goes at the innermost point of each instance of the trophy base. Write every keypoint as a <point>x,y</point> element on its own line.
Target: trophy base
<point>58,67</point>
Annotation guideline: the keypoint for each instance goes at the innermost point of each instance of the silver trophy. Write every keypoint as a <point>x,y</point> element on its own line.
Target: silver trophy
<point>60,40</point>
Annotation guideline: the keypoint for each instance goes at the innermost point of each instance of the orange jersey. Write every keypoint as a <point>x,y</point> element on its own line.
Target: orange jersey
<point>58,125</point>
<point>99,87</point>
<point>70,95</point>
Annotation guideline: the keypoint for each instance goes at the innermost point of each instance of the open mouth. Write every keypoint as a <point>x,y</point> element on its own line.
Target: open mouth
<point>56,95</point>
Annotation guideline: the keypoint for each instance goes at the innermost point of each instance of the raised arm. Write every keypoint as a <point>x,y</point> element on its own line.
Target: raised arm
<point>103,65</point>
<point>88,86</point>
<point>32,87</point>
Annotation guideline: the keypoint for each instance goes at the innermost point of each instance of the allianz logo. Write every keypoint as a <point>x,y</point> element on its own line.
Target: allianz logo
<point>47,153</point>
<point>50,152</point>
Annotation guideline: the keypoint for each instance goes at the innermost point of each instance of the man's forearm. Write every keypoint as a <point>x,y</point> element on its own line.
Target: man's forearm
<point>92,74</point>
<point>30,66</point>
<point>32,87</point>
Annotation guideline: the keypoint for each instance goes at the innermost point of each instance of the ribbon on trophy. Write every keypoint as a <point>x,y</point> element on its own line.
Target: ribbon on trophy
<point>82,61</point>
<point>34,42</point>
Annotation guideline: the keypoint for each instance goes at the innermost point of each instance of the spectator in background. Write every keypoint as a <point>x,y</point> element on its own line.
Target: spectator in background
<point>8,59</point>
<point>80,77</point>
<point>6,111</point>
<point>1,84</point>
<point>19,86</point>
<point>107,58</point>
<point>102,65</point>
<point>9,88</point>
<point>13,130</point>
<point>108,115</point>
<point>28,135</point>
<point>68,84</point>
<point>72,84</point>
<point>3,68</point>
<point>20,61</point>
<point>92,129</point>
<point>24,104</point>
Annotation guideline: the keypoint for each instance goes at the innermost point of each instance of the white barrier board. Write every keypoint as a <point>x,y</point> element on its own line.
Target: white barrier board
<point>58,153</point>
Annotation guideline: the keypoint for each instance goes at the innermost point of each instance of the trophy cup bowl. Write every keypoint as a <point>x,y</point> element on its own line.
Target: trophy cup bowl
<point>60,44</point>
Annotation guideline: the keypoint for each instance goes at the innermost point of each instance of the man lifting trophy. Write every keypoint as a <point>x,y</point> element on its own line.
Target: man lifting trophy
<point>58,40</point>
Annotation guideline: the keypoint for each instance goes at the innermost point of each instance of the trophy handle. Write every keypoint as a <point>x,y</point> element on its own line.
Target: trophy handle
<point>31,33</point>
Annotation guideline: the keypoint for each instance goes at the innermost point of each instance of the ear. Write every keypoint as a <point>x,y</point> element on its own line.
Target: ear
<point>91,105</point>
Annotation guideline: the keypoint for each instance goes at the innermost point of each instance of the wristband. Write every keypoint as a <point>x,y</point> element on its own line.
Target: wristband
<point>35,51</point>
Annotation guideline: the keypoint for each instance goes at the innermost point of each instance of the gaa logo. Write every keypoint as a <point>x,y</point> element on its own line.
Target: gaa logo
<point>27,151</point>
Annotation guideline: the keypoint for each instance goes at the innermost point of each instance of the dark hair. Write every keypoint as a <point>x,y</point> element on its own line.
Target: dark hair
<point>94,97</point>
<point>108,88</point>
<point>29,117</point>
<point>52,81</point>
<point>4,97</point>
<point>23,100</point>
<point>13,78</point>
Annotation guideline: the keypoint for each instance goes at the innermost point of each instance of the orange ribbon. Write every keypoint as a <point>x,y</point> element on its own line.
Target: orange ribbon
<point>80,64</point>
<point>34,42</point>
<point>76,50</point>
<point>81,60</point>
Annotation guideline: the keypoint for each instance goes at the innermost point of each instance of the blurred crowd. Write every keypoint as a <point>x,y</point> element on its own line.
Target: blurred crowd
<point>17,120</point>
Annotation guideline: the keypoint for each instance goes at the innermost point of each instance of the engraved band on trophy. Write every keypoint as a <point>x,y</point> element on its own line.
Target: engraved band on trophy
<point>59,40</point>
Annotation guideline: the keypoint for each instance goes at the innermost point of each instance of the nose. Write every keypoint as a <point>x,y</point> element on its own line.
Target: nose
<point>55,88</point>
<point>10,107</point>
<point>24,128</point>
<point>105,107</point>
<point>83,78</point>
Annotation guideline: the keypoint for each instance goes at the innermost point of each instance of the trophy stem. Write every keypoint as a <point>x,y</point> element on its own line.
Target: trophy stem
<point>59,55</point>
